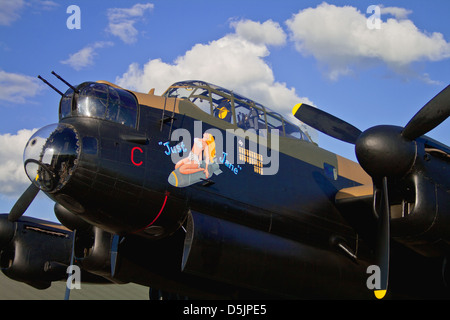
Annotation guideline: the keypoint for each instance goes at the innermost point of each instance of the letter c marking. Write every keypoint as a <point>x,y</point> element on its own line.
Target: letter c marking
<point>132,156</point>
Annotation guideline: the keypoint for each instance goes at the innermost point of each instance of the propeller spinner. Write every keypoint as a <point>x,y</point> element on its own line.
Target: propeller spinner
<point>384,152</point>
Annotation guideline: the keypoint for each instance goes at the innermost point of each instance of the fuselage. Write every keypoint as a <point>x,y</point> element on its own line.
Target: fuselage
<point>120,179</point>
<point>133,163</point>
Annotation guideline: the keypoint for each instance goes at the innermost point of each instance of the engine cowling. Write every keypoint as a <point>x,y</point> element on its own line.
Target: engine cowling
<point>34,253</point>
<point>93,246</point>
<point>93,251</point>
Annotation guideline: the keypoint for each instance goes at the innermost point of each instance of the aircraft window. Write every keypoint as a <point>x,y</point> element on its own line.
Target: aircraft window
<point>127,116</point>
<point>198,96</point>
<point>242,111</point>
<point>180,93</point>
<point>242,99</point>
<point>221,107</point>
<point>202,92</point>
<point>113,110</point>
<point>93,100</point>
<point>122,107</point>
<point>126,98</point>
<point>65,106</point>
<point>102,101</point>
<point>257,116</point>
<point>249,117</point>
<point>202,102</point>
<point>219,102</point>
<point>294,132</point>
<point>274,121</point>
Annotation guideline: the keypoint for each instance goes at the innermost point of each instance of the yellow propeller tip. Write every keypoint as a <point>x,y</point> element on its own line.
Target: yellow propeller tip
<point>296,107</point>
<point>380,294</point>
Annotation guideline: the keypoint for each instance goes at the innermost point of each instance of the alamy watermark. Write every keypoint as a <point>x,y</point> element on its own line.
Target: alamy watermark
<point>373,281</point>
<point>237,147</point>
<point>74,20</point>
<point>374,21</point>
<point>74,277</point>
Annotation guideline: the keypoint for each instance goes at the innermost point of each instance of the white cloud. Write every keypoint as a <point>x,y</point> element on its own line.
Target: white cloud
<point>232,61</point>
<point>17,88</point>
<point>122,21</point>
<point>269,32</point>
<point>339,38</point>
<point>398,13</point>
<point>235,61</point>
<point>9,11</point>
<point>85,57</point>
<point>13,179</point>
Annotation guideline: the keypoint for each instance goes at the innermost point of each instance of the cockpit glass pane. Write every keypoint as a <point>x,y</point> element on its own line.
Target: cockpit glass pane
<point>249,116</point>
<point>65,106</point>
<point>102,101</point>
<point>127,116</point>
<point>126,107</point>
<point>113,94</point>
<point>93,100</point>
<point>126,98</point>
<point>242,110</point>
<point>202,101</point>
<point>274,123</point>
<point>98,90</point>
<point>113,110</point>
<point>294,131</point>
<point>180,93</point>
<point>221,107</point>
<point>220,102</point>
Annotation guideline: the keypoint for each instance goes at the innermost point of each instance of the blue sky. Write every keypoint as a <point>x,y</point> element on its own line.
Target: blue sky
<point>276,52</point>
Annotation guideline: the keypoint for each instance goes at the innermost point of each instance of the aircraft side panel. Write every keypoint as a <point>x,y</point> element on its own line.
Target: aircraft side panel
<point>297,201</point>
<point>133,178</point>
<point>261,261</point>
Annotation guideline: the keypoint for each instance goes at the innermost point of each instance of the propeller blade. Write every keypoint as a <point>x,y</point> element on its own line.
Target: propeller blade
<point>430,116</point>
<point>23,203</point>
<point>70,271</point>
<point>383,241</point>
<point>114,249</point>
<point>326,123</point>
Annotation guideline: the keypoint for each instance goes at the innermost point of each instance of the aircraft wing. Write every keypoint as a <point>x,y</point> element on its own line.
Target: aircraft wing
<point>38,252</point>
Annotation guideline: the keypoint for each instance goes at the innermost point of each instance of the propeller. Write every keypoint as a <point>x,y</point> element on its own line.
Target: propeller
<point>430,116</point>
<point>70,268</point>
<point>384,152</point>
<point>23,203</point>
<point>114,250</point>
<point>326,123</point>
<point>383,240</point>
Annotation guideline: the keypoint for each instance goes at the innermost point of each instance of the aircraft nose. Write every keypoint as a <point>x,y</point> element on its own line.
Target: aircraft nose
<point>51,155</point>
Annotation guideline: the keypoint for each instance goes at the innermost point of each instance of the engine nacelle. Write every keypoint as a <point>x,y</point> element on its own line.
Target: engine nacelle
<point>92,244</point>
<point>71,220</point>
<point>34,252</point>
<point>421,220</point>
<point>94,251</point>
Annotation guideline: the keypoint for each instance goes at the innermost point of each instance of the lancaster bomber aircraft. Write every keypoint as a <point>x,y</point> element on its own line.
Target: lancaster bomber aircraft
<point>203,193</point>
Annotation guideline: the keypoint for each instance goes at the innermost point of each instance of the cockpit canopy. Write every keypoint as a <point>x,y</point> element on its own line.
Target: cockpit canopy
<point>99,100</point>
<point>233,108</point>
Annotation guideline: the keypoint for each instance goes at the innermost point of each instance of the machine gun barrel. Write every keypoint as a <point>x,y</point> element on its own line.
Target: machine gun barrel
<point>50,85</point>
<point>68,84</point>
